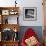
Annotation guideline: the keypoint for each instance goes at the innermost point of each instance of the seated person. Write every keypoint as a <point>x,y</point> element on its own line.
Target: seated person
<point>30,38</point>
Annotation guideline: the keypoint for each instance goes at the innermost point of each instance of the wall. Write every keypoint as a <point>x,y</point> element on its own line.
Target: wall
<point>27,3</point>
<point>38,5</point>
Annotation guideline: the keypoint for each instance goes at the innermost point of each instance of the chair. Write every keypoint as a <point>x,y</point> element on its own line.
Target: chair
<point>28,34</point>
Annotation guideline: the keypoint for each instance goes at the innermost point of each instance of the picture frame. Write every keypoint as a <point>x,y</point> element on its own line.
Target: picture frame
<point>30,13</point>
<point>5,12</point>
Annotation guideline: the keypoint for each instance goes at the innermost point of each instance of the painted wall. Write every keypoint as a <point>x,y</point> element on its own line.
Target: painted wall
<point>26,3</point>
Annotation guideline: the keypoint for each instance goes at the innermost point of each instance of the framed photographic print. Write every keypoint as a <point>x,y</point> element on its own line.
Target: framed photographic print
<point>30,13</point>
<point>5,12</point>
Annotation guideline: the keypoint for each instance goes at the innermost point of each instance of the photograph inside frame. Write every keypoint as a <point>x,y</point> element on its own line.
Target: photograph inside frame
<point>30,13</point>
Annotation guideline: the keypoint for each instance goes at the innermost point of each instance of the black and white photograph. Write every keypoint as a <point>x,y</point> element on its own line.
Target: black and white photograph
<point>30,13</point>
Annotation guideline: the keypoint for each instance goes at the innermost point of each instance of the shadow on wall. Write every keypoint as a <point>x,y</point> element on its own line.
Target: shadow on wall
<point>37,29</point>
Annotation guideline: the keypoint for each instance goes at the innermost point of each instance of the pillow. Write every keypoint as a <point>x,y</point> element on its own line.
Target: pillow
<point>31,41</point>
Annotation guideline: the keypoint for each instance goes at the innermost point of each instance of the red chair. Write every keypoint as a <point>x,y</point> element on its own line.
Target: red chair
<point>29,33</point>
